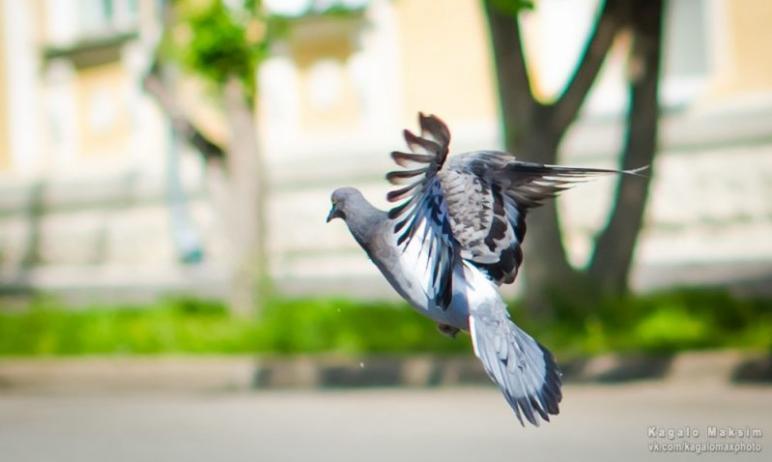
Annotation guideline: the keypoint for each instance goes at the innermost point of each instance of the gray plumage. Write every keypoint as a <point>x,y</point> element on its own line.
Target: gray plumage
<point>454,236</point>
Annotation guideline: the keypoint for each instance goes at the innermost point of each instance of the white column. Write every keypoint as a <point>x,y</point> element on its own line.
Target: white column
<point>22,64</point>
<point>376,67</point>
<point>61,21</point>
<point>61,108</point>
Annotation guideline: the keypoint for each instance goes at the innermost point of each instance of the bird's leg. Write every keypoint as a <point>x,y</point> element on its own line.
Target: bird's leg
<point>450,331</point>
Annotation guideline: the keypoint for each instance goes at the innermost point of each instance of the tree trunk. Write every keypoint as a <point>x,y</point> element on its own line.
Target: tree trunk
<point>248,199</point>
<point>533,131</point>
<point>517,102</point>
<point>614,249</point>
<point>238,186</point>
<point>237,181</point>
<point>546,268</point>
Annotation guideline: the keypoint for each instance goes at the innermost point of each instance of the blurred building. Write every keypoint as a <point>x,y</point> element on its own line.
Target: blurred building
<point>94,199</point>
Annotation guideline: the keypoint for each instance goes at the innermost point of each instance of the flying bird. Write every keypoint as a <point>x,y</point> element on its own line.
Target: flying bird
<point>454,236</point>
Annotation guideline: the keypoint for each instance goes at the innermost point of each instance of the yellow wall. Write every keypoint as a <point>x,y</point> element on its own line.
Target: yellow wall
<point>345,111</point>
<point>446,66</point>
<point>5,157</point>
<point>750,44</point>
<point>93,84</point>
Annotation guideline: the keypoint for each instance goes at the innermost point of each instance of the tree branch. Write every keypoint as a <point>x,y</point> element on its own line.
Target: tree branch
<point>517,101</point>
<point>615,246</point>
<point>154,84</point>
<point>611,18</point>
<point>164,96</point>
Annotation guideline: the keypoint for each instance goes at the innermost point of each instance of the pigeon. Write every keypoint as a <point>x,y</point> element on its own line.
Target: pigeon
<point>453,237</point>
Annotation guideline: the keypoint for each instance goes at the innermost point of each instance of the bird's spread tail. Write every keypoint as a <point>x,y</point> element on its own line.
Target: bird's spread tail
<point>523,369</point>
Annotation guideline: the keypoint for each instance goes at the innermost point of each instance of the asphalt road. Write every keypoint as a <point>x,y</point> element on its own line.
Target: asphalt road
<point>597,423</point>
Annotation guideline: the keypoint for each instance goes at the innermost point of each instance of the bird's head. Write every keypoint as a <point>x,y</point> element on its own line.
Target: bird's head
<point>341,199</point>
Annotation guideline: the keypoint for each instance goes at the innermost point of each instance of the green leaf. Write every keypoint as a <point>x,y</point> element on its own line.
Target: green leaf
<point>512,7</point>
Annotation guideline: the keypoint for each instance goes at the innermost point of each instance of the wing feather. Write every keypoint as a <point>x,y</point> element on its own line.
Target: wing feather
<point>473,207</point>
<point>515,187</point>
<point>423,206</point>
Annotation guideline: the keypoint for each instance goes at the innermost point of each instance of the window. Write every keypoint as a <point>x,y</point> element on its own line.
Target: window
<point>686,62</point>
<point>102,17</point>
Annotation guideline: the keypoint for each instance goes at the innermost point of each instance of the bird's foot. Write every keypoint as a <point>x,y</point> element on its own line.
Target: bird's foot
<point>450,331</point>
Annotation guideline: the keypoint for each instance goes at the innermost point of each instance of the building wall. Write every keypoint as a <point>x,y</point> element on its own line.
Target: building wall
<point>748,26</point>
<point>5,158</point>
<point>321,51</point>
<point>104,122</point>
<point>444,61</point>
<point>22,108</point>
<point>99,214</point>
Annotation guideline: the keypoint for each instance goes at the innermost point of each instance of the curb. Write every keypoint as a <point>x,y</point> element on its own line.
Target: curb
<point>243,373</point>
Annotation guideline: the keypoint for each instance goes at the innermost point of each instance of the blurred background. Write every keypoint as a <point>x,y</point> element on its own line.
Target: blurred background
<point>166,166</point>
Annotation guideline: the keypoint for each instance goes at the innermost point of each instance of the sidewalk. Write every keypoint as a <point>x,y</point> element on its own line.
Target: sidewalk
<point>243,372</point>
<point>601,423</point>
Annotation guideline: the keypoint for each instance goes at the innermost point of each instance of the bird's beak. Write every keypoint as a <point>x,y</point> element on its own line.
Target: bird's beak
<point>334,213</point>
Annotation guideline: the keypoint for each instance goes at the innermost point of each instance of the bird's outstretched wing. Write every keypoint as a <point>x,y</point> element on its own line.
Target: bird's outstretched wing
<point>423,213</point>
<point>529,184</point>
<point>470,207</point>
<point>488,209</point>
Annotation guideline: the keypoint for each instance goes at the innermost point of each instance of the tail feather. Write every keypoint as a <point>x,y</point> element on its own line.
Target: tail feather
<point>524,370</point>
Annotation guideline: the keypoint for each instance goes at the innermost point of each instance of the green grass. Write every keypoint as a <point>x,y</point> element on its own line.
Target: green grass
<point>662,323</point>
<point>204,327</point>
